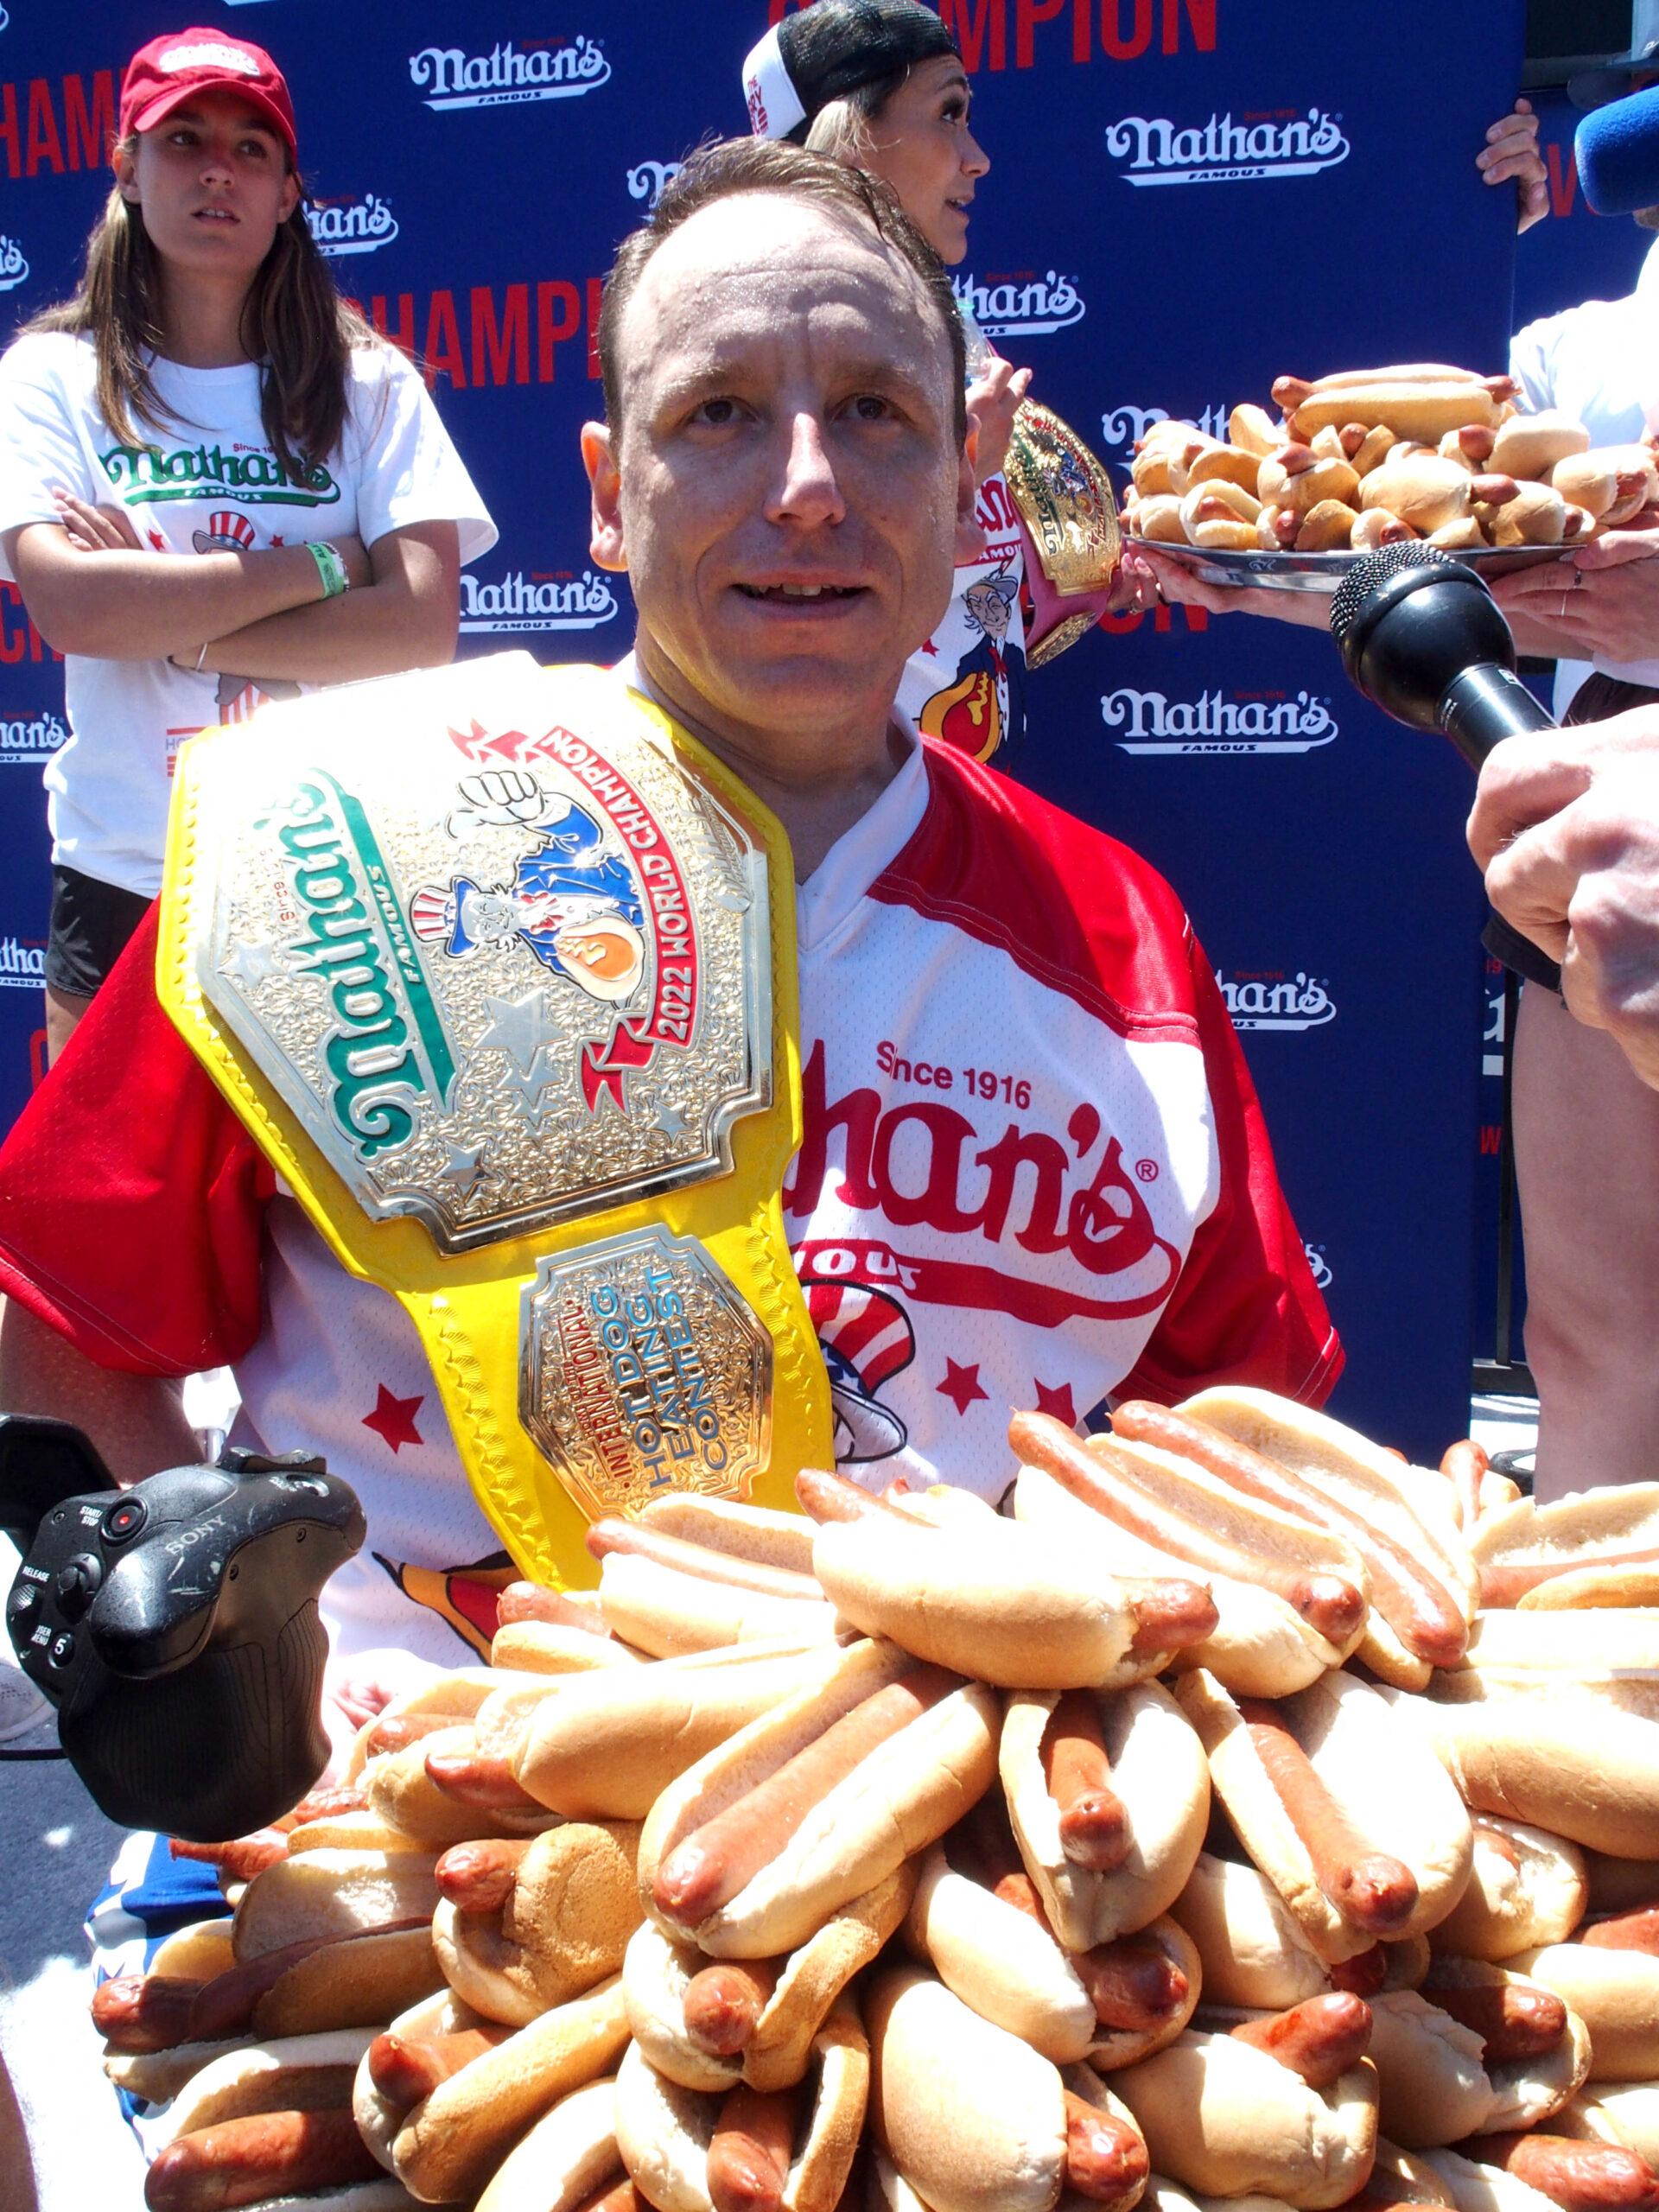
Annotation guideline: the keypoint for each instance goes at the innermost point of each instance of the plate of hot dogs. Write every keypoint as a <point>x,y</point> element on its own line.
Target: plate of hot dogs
<point>1363,458</point>
<point>1231,1813</point>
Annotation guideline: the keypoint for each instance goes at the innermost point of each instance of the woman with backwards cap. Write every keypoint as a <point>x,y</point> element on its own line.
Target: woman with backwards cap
<point>217,485</point>
<point>880,84</point>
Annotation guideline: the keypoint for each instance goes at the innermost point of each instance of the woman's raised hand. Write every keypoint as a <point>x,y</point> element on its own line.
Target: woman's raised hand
<point>992,401</point>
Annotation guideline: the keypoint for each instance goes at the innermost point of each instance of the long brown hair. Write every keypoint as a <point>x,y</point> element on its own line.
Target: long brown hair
<point>294,323</point>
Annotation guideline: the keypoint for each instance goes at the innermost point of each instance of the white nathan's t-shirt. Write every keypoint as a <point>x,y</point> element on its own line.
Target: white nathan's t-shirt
<point>1599,363</point>
<point>210,482</point>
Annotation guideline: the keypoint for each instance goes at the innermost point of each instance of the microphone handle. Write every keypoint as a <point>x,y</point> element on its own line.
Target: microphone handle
<point>1485,704</point>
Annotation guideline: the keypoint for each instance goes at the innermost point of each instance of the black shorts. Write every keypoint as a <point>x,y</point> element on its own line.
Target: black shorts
<point>1595,698</point>
<point>90,924</point>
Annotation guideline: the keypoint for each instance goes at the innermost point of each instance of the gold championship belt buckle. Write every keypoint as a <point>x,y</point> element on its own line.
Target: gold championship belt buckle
<point>1065,499</point>
<point>497,964</point>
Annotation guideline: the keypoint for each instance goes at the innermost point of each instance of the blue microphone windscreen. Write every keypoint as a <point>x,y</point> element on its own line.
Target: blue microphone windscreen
<point>1618,152</point>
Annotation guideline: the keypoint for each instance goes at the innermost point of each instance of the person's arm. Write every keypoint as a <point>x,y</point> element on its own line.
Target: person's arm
<point>137,1421</point>
<point>1308,610</point>
<point>91,590</point>
<point>404,617</point>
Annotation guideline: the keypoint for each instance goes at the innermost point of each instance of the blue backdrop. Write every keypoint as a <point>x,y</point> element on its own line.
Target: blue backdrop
<point>1187,198</point>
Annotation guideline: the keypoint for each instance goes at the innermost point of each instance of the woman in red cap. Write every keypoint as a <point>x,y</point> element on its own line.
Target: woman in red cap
<point>217,485</point>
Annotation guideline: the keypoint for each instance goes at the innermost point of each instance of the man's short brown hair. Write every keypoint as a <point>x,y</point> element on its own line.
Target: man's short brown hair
<point>739,165</point>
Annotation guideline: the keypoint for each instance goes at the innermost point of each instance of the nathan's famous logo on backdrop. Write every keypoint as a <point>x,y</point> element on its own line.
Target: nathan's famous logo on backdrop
<point>1222,151</point>
<point>1319,1266</point>
<point>23,964</point>
<point>14,269</point>
<point>1125,427</point>
<point>145,476</point>
<point>1247,721</point>
<point>537,601</point>
<point>27,741</point>
<point>648,181</point>
<point>1023,306</point>
<point>347,225</point>
<point>1268,998</point>
<point>542,69</point>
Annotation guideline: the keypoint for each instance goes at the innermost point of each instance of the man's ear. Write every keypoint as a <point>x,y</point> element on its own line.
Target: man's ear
<point>606,541</point>
<point>970,538</point>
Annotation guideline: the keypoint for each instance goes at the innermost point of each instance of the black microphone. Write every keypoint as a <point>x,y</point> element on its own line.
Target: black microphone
<point>1425,640</point>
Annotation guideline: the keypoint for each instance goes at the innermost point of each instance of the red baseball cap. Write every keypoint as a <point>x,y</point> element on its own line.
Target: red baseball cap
<point>164,74</point>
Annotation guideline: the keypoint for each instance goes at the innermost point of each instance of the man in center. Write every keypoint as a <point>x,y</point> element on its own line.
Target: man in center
<point>1033,1171</point>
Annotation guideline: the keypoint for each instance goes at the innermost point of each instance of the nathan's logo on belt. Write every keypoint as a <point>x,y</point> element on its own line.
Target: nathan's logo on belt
<point>27,744</point>
<point>144,475</point>
<point>555,70</point>
<point>1222,151</point>
<point>537,602</point>
<point>1153,722</point>
<point>1127,426</point>
<point>14,269</point>
<point>388,1048</point>
<point>341,226</point>
<point>1276,1000</point>
<point>1024,307</point>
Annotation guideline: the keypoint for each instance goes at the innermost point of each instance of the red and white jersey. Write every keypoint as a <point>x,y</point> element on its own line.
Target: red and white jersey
<point>1033,1174</point>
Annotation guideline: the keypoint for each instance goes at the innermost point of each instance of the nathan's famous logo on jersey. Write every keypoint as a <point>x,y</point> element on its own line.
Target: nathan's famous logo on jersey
<point>1025,306</point>
<point>1220,151</point>
<point>544,69</point>
<point>1268,998</point>
<point>1262,722</point>
<point>1125,427</point>
<point>1320,1268</point>
<point>347,225</point>
<point>13,268</point>
<point>29,740</point>
<point>537,601</point>
<point>1074,1197</point>
<point>648,181</point>
<point>146,475</point>
<point>23,964</point>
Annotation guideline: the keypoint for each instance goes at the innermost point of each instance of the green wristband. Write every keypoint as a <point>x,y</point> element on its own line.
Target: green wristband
<point>330,568</point>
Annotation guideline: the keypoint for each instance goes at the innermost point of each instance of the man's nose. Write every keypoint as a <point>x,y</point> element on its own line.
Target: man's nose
<point>807,490</point>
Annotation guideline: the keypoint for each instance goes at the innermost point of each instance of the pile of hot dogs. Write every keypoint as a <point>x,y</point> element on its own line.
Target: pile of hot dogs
<point>1372,457</point>
<point>1190,1833</point>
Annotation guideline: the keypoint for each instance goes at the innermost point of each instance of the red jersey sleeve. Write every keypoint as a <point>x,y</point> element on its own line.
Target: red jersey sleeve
<point>1245,1309</point>
<point>131,1198</point>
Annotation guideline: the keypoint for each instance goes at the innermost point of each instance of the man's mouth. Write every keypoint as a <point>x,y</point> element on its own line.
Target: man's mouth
<point>791,594</point>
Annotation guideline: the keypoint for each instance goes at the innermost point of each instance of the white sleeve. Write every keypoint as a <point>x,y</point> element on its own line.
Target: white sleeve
<point>39,447</point>
<point>1532,362</point>
<point>407,469</point>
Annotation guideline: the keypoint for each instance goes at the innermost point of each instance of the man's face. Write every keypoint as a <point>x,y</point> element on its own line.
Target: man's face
<point>989,609</point>
<point>788,492</point>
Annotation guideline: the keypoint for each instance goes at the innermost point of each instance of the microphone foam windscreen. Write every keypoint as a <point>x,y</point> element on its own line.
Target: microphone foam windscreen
<point>1617,153</point>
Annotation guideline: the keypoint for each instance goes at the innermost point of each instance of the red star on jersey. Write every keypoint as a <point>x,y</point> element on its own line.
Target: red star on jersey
<point>961,1385</point>
<point>157,541</point>
<point>393,1419</point>
<point>276,538</point>
<point>1057,1402</point>
<point>930,649</point>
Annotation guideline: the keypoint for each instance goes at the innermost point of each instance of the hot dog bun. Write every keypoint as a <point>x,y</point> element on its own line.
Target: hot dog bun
<point>568,2153</point>
<point>401,1791</point>
<point>1515,1551</point>
<point>1615,1993</point>
<point>663,2132</point>
<point>987,1598</point>
<point>757,1533</point>
<point>1226,2119</point>
<point>894,1803</point>
<point>662,1611</point>
<point>1260,1645</point>
<point>970,2117</point>
<point>292,2074</point>
<point>330,1893</point>
<point>1437,2085</point>
<point>1157,1771</point>
<point>1626,2113</point>
<point>609,1745</point>
<point>1395,1796</point>
<point>657,1971</point>
<point>449,2144</point>
<point>574,1902</point>
<point>1525,1888</point>
<point>553,1648</point>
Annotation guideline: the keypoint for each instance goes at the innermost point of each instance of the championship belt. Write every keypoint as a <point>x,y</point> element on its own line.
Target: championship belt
<point>497,965</point>
<point>1063,497</point>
